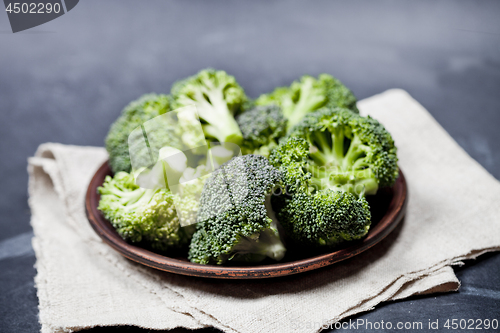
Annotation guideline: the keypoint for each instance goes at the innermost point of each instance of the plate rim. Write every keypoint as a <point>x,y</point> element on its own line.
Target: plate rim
<point>394,215</point>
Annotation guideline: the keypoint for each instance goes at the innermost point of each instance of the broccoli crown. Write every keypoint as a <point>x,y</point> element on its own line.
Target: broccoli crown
<point>313,215</point>
<point>262,127</point>
<point>142,214</point>
<point>133,115</point>
<point>332,158</point>
<point>218,98</point>
<point>309,94</point>
<point>337,94</point>
<point>346,151</point>
<point>324,218</point>
<point>233,221</point>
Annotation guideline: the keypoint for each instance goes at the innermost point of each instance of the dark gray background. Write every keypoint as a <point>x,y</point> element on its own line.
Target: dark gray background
<point>67,80</point>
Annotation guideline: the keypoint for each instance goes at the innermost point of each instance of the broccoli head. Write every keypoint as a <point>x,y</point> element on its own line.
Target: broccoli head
<point>218,98</point>
<point>347,152</point>
<point>311,215</point>
<point>324,218</point>
<point>262,127</point>
<point>134,115</point>
<point>235,220</point>
<point>140,214</point>
<point>308,95</point>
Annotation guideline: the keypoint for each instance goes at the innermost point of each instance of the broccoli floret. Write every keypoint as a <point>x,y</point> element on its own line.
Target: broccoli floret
<point>235,221</point>
<point>133,115</point>
<point>324,218</point>
<point>218,98</point>
<point>313,215</point>
<point>347,151</point>
<point>309,94</point>
<point>140,214</point>
<point>262,127</point>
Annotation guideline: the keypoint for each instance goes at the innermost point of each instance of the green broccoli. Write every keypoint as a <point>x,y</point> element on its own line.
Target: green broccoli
<point>324,218</point>
<point>310,215</point>
<point>140,214</point>
<point>262,127</point>
<point>308,95</point>
<point>347,151</point>
<point>218,98</point>
<point>235,220</point>
<point>133,115</point>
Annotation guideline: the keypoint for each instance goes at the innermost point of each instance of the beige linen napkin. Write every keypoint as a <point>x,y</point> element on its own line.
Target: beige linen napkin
<point>453,214</point>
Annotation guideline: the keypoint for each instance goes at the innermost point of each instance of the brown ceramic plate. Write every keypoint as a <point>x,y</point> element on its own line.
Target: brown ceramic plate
<point>388,208</point>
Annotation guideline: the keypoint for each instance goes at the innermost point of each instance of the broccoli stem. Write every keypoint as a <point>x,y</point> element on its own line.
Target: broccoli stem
<point>366,186</point>
<point>334,170</point>
<point>338,144</point>
<point>355,152</point>
<point>255,248</point>
<point>360,164</point>
<point>325,155</point>
<point>130,200</point>
<point>144,199</point>
<point>353,181</point>
<point>126,197</point>
<point>221,123</point>
<point>270,244</point>
<point>265,244</point>
<point>310,98</point>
